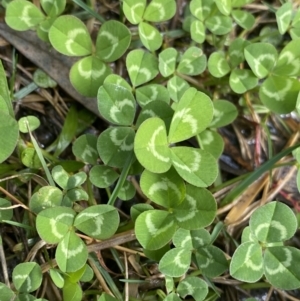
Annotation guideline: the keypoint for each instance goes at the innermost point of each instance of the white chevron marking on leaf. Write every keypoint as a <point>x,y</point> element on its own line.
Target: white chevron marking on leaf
<point>188,65</point>
<point>257,61</point>
<point>177,259</point>
<point>53,222</point>
<point>282,265</point>
<point>91,73</point>
<point>249,263</point>
<point>97,220</point>
<point>144,71</point>
<point>192,209</point>
<point>27,280</point>
<point>274,224</point>
<point>72,34</point>
<point>25,16</point>
<point>278,95</point>
<point>133,7</point>
<point>160,9</point>
<point>165,184</point>
<point>187,118</point>
<point>119,142</point>
<point>112,39</point>
<point>152,228</point>
<point>71,253</point>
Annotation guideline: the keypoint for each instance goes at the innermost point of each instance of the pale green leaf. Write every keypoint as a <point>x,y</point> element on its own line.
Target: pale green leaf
<point>103,176</point>
<point>224,6</point>
<point>198,31</point>
<point>30,158</point>
<point>57,277</point>
<point>5,99</point>
<point>151,146</point>
<point>176,87</point>
<point>117,80</point>
<point>112,41</point>
<point>284,17</point>
<point>193,286</point>
<point>150,36</point>
<point>154,229</point>
<point>167,61</point>
<point>137,209</point>
<point>201,8</point>
<point>85,148</point>
<point>6,293</point>
<point>134,10</point>
<point>218,65</point>
<point>158,11</point>
<point>60,176</point>
<point>224,113</point>
<point>42,30</point>
<point>72,291</point>
<point>43,80</point>
<point>243,18</point>
<point>153,92</point>
<point>127,191</point>
<point>76,180</point>
<point>28,123</point>
<point>5,214</point>
<point>53,7</point>
<point>236,51</point>
<point>172,297</point>
<point>242,80</point>
<point>219,25</point>
<point>70,36</point>
<point>212,142</point>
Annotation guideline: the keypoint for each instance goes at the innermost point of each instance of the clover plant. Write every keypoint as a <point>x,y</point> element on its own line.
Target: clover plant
<point>161,128</point>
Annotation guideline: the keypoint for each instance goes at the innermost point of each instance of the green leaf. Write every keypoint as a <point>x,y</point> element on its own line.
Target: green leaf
<point>243,80</point>
<point>236,52</point>
<point>6,293</point>
<point>27,277</point>
<point>5,99</point>
<point>142,66</point>
<point>5,214</point>
<point>127,191</point>
<point>192,62</point>
<point>224,113</point>
<point>197,210</point>
<point>45,197</point>
<point>193,114</point>
<point>158,11</point>
<point>9,135</point>
<point>175,262</point>
<point>268,225</point>
<point>76,180</point>
<point>150,36</point>
<point>99,221</point>
<point>43,80</point>
<point>280,93</point>
<point>42,32</point>
<point>261,58</point>
<point>198,31</point>
<point>153,92</point>
<point>154,229</point>
<point>22,15</point>
<point>28,123</point>
<point>224,6</point>
<point>103,176</point>
<point>151,145</point>
<point>172,297</point>
<point>166,189</point>
<point>117,80</point>
<point>57,278</point>
<point>280,268</point>
<point>212,261</point>
<point>88,74</point>
<point>115,144</point>
<point>218,65</point>
<point>247,262</point>
<point>212,142</point>
<point>85,148</point>
<point>60,176</point>
<point>53,224</point>
<point>284,17</point>
<point>71,253</point>
<point>134,10</point>
<point>137,209</point>
<point>176,87</point>
<point>30,158</point>
<point>195,166</point>
<point>87,275</point>
<point>72,291</point>
<point>182,239</point>
<point>193,286</point>
<point>167,61</point>
<point>112,41</point>
<point>69,36</point>
<point>116,104</point>
<point>53,7</point>
<point>288,63</point>
<point>201,9</point>
<point>243,18</point>
<point>219,25</point>
<point>106,297</point>
<point>73,195</point>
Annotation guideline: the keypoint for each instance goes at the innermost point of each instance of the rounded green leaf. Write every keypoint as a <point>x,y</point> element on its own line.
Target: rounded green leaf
<point>151,146</point>
<point>193,286</point>
<point>6,293</point>
<point>28,123</point>
<point>99,221</point>
<point>103,176</point>
<point>153,92</point>
<point>243,18</point>
<point>150,36</point>
<point>73,195</point>
<point>182,239</point>
<point>71,253</point>
<point>197,167</point>
<point>224,113</point>
<point>42,79</point>
<point>172,297</point>
<point>112,41</point>
<point>53,224</point>
<point>212,261</point>
<point>198,31</point>
<point>176,87</point>
<point>76,180</point>
<point>167,61</point>
<point>127,191</point>
<point>72,291</point>
<point>42,32</point>
<point>197,210</point>
<point>175,262</point>
<point>224,6</point>
<point>192,62</point>
<point>236,51</point>
<point>117,80</point>
<point>5,214</point>
<point>166,189</point>
<point>115,144</point>
<point>137,209</point>
<point>70,36</point>
<point>142,66</point>
<point>116,104</point>
<point>201,9</point>
<point>85,148</point>
<point>53,7</point>
<point>243,80</point>
<point>267,224</point>
<point>88,74</point>
<point>154,229</point>
<point>219,25</point>
<point>30,158</point>
<point>270,34</point>
<point>158,11</point>
<point>57,277</point>
<point>284,16</point>
<point>247,262</point>
<point>60,176</point>
<point>134,10</point>
<point>261,58</point>
<point>45,197</point>
<point>218,65</point>
<point>22,15</point>
<point>9,134</point>
<point>280,267</point>
<point>212,142</point>
<point>193,114</point>
<point>27,277</point>
<point>279,94</point>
